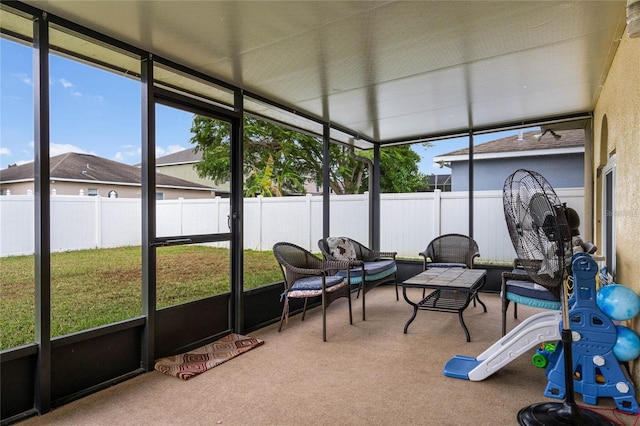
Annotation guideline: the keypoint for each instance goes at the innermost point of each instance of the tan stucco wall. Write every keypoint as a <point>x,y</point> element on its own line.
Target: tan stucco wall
<point>187,172</point>
<point>619,102</point>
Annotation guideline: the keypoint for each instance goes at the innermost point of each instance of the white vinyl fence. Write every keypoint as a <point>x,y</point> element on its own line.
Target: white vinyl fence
<point>408,221</point>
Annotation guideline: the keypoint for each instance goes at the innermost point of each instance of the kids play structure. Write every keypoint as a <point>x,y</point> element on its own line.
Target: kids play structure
<point>596,341</point>
<point>587,359</point>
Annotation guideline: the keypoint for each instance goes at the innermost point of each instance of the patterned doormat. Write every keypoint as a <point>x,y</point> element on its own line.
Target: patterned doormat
<point>190,364</point>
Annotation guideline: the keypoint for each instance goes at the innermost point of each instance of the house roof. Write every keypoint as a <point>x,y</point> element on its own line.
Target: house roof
<point>570,141</point>
<point>181,157</point>
<point>77,167</point>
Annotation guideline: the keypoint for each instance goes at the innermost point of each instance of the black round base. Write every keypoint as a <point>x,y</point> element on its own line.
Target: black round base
<point>559,413</point>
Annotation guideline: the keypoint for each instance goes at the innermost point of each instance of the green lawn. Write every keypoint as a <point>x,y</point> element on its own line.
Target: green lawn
<point>90,288</point>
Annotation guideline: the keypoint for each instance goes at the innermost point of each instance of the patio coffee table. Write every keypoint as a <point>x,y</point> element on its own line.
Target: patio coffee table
<point>453,289</point>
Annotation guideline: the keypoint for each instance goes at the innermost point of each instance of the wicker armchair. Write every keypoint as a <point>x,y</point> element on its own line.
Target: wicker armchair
<point>518,287</point>
<point>377,267</point>
<point>450,250</point>
<point>306,275</point>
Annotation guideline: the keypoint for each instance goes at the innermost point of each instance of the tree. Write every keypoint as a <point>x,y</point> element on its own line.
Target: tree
<point>278,160</point>
<point>399,169</point>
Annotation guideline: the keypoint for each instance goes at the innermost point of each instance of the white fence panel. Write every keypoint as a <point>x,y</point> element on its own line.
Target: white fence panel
<point>284,220</point>
<point>16,225</point>
<point>168,218</point>
<point>407,221</point>
<point>120,222</point>
<point>349,217</point>
<point>74,222</point>
<point>316,223</point>
<point>252,223</point>
<point>454,213</point>
<point>202,216</point>
<point>489,227</point>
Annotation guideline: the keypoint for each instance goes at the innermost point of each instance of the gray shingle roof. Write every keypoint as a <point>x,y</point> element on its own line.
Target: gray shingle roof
<point>568,139</point>
<point>180,157</point>
<point>91,168</point>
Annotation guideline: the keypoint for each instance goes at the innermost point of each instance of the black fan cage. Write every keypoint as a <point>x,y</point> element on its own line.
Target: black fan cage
<point>538,227</point>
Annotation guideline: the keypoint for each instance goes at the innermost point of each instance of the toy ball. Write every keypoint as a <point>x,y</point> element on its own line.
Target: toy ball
<point>627,347</point>
<point>618,302</point>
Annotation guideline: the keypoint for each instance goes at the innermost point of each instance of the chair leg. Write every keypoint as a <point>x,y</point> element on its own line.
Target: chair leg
<point>363,297</point>
<point>395,276</point>
<point>304,308</point>
<point>515,310</point>
<point>505,306</point>
<point>284,314</point>
<point>324,316</point>
<point>349,299</point>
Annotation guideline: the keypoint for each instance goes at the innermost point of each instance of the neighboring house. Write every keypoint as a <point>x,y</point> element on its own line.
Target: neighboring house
<point>181,165</point>
<point>84,174</point>
<point>558,156</point>
<point>441,182</point>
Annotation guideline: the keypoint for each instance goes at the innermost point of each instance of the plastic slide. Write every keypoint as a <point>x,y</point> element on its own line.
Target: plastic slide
<point>531,333</point>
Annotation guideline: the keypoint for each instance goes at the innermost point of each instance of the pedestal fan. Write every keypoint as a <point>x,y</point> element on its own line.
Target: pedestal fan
<point>540,233</point>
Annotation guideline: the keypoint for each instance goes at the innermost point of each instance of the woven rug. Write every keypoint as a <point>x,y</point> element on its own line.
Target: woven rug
<point>190,364</point>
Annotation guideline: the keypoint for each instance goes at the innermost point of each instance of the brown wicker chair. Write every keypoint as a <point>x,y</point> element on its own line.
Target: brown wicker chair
<point>518,287</point>
<point>306,275</point>
<point>450,250</point>
<point>377,267</point>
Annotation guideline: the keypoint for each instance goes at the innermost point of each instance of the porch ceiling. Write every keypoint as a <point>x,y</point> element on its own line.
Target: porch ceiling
<point>389,70</point>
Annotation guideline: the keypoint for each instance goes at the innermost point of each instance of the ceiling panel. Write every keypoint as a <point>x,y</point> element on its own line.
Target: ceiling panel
<point>387,70</point>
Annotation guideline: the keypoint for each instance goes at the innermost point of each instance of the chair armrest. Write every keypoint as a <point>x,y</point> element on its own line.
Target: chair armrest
<point>333,265</point>
<point>373,255</point>
<point>506,276</point>
<point>424,260</point>
<point>471,257</point>
<point>391,254</point>
<point>304,271</point>
<point>520,263</point>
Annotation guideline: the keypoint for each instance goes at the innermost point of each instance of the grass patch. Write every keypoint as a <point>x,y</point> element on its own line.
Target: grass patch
<point>90,288</point>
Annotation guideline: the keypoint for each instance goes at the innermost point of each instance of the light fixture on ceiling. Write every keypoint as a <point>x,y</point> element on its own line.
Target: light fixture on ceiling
<point>555,135</point>
<point>633,18</point>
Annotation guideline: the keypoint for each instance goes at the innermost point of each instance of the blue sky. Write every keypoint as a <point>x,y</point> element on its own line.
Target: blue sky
<point>98,112</point>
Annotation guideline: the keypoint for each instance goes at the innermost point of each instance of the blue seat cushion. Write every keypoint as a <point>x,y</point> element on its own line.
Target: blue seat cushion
<point>531,294</point>
<point>373,271</point>
<point>529,289</point>
<point>315,283</point>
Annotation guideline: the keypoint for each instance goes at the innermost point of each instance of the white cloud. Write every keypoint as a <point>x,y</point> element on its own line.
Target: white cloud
<point>63,148</point>
<point>175,148</point>
<point>160,151</point>
<point>5,151</point>
<point>65,83</point>
<point>128,155</point>
<point>75,93</point>
<point>26,79</point>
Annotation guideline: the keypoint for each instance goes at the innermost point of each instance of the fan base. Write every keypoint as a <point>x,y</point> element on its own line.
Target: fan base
<point>560,413</point>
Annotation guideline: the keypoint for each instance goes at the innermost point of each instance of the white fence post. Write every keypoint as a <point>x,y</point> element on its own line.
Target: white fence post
<point>308,220</point>
<point>260,206</point>
<point>437,211</point>
<point>98,218</point>
<point>181,218</point>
